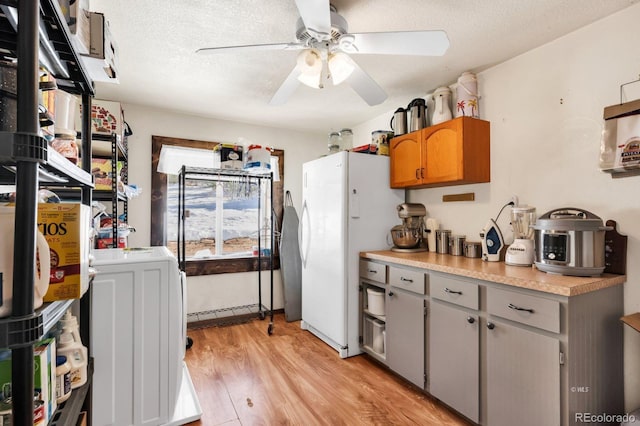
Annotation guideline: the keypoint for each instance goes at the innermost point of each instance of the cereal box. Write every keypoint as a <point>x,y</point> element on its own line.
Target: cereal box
<point>66,227</point>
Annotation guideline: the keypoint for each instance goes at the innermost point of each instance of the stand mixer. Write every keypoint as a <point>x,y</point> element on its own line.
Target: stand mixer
<point>408,236</point>
<point>521,252</point>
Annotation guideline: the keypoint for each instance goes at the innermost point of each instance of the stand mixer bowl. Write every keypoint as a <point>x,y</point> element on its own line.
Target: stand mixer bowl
<point>405,237</point>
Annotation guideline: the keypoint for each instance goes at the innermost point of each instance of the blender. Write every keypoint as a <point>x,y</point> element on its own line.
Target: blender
<point>408,236</point>
<point>521,252</point>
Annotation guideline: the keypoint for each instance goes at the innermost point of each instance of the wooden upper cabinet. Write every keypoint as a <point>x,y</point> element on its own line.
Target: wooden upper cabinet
<point>406,160</point>
<point>455,152</point>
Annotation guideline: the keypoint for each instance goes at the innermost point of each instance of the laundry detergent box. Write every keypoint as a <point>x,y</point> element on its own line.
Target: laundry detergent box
<point>44,379</point>
<point>66,227</point>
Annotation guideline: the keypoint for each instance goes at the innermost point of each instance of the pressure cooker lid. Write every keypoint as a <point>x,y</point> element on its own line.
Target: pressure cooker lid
<point>569,219</point>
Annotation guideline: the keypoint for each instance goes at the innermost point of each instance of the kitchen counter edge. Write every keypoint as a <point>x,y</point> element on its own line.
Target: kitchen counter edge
<point>499,272</point>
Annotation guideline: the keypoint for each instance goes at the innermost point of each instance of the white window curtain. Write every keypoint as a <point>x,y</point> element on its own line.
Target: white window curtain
<point>172,158</point>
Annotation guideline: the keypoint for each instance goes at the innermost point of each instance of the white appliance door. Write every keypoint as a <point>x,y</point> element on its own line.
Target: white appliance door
<point>372,213</point>
<point>323,246</point>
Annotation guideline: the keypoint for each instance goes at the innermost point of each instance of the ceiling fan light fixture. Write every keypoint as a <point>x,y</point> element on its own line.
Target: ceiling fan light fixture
<point>341,66</point>
<point>310,66</point>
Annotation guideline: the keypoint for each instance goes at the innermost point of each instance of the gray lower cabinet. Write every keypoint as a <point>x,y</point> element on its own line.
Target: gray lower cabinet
<point>523,377</point>
<point>405,334</point>
<point>454,353</point>
<point>499,354</point>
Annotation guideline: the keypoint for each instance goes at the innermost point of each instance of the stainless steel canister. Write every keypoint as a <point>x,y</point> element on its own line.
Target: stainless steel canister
<point>442,240</point>
<point>456,245</point>
<point>472,249</point>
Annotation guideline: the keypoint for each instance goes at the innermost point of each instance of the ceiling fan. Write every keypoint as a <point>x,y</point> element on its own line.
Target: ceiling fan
<point>325,43</point>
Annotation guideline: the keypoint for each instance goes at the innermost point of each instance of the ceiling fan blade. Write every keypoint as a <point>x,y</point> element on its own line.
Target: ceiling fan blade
<point>230,49</point>
<point>316,17</point>
<point>421,43</point>
<point>365,86</point>
<point>287,88</point>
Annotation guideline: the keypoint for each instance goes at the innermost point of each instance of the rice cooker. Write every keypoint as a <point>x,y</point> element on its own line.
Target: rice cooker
<point>570,241</point>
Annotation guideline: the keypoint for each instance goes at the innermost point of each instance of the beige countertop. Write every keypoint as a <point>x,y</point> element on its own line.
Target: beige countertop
<point>499,272</point>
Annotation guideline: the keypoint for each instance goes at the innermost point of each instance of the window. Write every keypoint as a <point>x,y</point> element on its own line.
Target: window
<point>239,223</point>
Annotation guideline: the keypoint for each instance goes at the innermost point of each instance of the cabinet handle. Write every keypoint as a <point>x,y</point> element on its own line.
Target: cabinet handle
<point>390,294</point>
<point>518,308</point>
<point>417,173</point>
<point>448,290</point>
<point>491,325</point>
<point>406,279</point>
<point>422,172</point>
<point>471,320</point>
<point>373,272</point>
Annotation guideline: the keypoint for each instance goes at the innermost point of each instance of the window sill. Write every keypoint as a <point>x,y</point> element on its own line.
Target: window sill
<point>231,265</point>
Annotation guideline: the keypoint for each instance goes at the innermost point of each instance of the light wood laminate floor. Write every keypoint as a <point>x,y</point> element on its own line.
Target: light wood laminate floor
<point>243,376</point>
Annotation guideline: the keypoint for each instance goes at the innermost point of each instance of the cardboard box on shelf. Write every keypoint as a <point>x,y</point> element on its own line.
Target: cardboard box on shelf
<point>44,379</point>
<point>104,243</point>
<point>80,25</point>
<point>228,156</point>
<point>103,173</point>
<point>102,60</point>
<point>106,118</point>
<point>66,228</point>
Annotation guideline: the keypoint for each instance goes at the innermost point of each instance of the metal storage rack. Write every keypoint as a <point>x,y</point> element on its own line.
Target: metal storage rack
<point>43,38</point>
<point>116,152</point>
<point>221,175</point>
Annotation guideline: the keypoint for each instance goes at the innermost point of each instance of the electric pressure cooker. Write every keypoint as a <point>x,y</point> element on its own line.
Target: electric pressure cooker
<point>570,241</point>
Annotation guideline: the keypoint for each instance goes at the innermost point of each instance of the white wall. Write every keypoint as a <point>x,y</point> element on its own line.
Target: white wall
<point>224,290</point>
<point>546,114</point>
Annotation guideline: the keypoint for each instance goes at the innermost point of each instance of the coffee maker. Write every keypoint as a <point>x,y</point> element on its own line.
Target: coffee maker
<point>521,252</point>
<point>408,236</point>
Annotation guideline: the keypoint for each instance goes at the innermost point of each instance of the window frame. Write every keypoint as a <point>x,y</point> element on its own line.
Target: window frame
<point>158,217</point>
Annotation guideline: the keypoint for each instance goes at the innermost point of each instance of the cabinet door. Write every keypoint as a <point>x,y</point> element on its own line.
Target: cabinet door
<point>523,377</point>
<point>405,334</point>
<point>442,153</point>
<point>454,363</point>
<point>406,160</point>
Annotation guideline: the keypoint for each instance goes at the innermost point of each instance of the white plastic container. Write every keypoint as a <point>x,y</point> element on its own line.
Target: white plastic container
<point>258,157</point>
<point>375,301</point>
<point>41,284</point>
<point>65,111</point>
<point>63,379</point>
<point>378,336</point>
<point>70,345</point>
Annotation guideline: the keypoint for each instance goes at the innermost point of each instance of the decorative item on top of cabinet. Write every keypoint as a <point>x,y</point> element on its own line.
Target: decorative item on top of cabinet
<point>454,152</point>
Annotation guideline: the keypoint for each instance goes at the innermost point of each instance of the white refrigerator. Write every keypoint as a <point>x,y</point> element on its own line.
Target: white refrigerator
<point>138,338</point>
<point>347,207</point>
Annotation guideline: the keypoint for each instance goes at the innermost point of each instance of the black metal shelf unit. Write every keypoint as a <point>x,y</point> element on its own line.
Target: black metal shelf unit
<point>222,175</point>
<point>41,38</point>
<point>115,152</point>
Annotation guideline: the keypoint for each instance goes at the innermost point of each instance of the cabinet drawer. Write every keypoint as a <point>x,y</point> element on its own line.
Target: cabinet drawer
<point>526,309</point>
<point>452,290</point>
<point>373,271</point>
<point>407,279</point>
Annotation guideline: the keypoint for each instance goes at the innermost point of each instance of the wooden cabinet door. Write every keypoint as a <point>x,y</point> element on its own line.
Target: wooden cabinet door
<point>406,160</point>
<point>405,334</point>
<point>442,154</point>
<point>454,358</point>
<point>523,377</point>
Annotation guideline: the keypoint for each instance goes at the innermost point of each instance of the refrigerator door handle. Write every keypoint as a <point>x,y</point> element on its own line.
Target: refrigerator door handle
<point>303,250</point>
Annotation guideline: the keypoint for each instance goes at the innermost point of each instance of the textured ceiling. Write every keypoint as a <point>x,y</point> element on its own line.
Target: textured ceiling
<point>157,40</point>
